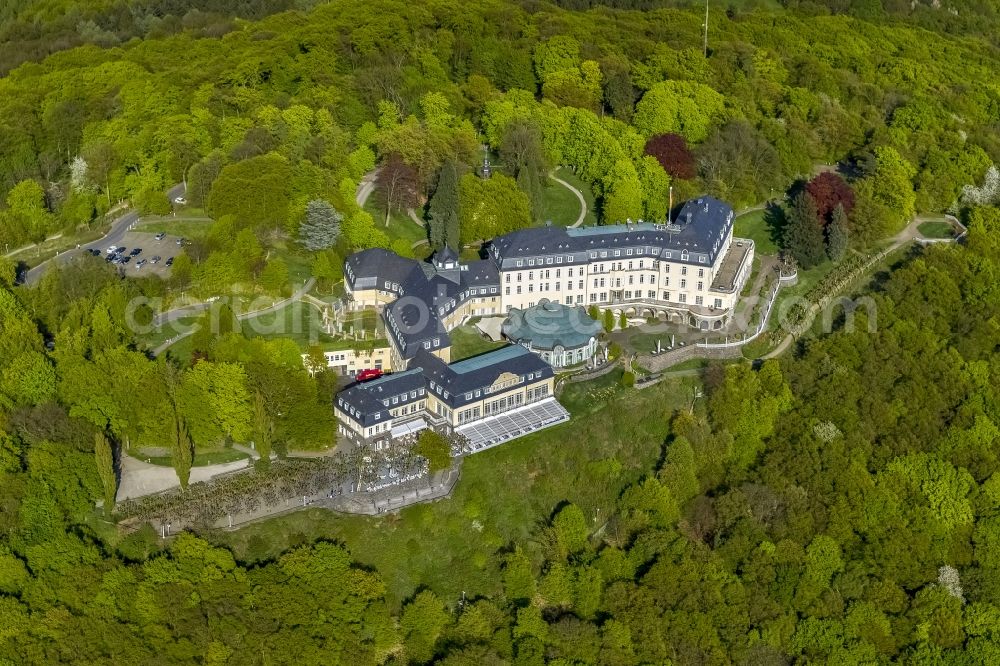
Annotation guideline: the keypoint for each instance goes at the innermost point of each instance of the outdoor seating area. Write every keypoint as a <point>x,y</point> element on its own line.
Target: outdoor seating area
<point>504,427</point>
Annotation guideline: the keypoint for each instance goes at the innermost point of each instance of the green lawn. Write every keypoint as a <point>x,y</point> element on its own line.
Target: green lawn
<point>185,227</point>
<point>467,341</point>
<point>452,545</point>
<point>401,227</point>
<point>760,227</point>
<point>202,458</point>
<point>936,229</point>
<point>299,321</point>
<point>559,204</point>
<point>160,335</point>
<point>565,173</point>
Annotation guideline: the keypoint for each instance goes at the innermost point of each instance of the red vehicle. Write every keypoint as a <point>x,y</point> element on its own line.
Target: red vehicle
<point>365,375</point>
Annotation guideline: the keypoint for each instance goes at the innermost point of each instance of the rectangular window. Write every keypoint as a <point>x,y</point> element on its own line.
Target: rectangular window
<point>593,298</point>
<point>519,263</point>
<point>683,298</point>
<point>666,295</point>
<point>557,272</point>
<point>651,294</point>
<point>604,296</point>
<point>718,302</point>
<point>701,286</point>
<point>507,278</point>
<point>557,286</point>
<point>701,272</point>
<point>684,284</point>
<point>581,285</point>
<point>569,300</point>
<point>531,287</point>
<point>684,270</point>
<point>519,289</point>
<point>579,298</point>
<point>698,300</point>
<point>507,291</point>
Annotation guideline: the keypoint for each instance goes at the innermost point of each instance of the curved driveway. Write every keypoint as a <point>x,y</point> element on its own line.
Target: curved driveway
<point>118,230</point>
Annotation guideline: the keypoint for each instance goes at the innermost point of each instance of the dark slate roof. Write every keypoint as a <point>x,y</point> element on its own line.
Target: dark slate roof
<point>699,230</point>
<point>445,255</point>
<point>482,273</point>
<point>372,268</point>
<point>366,397</point>
<point>478,372</point>
<point>426,294</point>
<point>548,325</point>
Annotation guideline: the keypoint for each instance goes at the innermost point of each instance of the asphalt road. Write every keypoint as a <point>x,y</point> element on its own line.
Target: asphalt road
<point>118,230</point>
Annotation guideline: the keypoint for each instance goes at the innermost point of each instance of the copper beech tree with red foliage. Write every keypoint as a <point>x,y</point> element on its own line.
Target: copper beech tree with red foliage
<point>673,154</point>
<point>827,190</point>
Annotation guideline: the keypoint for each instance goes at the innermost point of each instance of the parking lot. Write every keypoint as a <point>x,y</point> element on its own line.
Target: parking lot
<point>152,256</point>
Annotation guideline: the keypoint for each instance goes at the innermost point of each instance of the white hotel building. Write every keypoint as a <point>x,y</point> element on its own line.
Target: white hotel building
<point>690,271</point>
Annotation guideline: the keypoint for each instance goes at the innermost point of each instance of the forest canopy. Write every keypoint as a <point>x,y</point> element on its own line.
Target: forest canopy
<point>839,505</point>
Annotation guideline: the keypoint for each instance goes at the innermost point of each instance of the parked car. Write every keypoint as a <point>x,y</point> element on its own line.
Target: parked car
<point>125,260</point>
<point>120,249</point>
<point>154,259</point>
<point>93,251</point>
<point>365,375</point>
<point>140,263</point>
<point>160,236</point>
<point>111,249</point>
<point>136,252</point>
<point>180,201</point>
<point>180,241</point>
<point>170,262</point>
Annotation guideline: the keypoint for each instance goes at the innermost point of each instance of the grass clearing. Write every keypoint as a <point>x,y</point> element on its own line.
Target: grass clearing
<point>185,228</point>
<point>503,495</point>
<point>169,330</point>
<point>201,458</point>
<point>936,229</point>
<point>559,204</point>
<point>400,227</point>
<point>298,321</point>
<point>565,173</point>
<point>760,226</point>
<point>467,341</point>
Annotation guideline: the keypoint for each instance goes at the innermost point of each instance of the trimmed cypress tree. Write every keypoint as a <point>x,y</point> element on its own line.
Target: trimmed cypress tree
<point>443,213</point>
<point>105,459</point>
<point>837,234</point>
<point>804,233</point>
